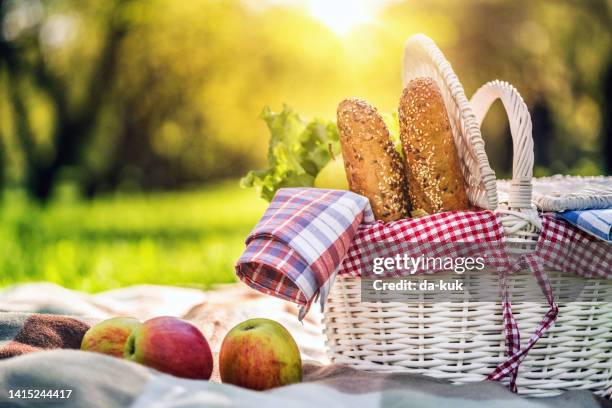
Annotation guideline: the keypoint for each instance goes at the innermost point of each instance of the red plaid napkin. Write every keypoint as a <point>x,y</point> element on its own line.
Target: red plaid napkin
<point>295,250</point>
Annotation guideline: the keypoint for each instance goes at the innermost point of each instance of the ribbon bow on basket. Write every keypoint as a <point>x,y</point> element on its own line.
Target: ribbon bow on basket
<point>561,247</point>
<point>516,354</point>
<point>536,245</point>
<point>520,219</point>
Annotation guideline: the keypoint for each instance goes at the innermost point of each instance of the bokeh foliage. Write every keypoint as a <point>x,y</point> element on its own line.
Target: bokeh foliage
<point>130,95</point>
<point>180,238</point>
<point>159,94</point>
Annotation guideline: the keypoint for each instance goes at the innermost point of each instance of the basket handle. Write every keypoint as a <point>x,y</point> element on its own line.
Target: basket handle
<point>521,129</point>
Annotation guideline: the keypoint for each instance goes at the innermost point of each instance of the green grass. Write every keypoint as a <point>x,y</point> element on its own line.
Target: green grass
<point>183,238</point>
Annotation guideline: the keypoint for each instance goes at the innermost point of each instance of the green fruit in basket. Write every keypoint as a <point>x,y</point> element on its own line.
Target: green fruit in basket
<point>332,176</point>
<point>259,354</point>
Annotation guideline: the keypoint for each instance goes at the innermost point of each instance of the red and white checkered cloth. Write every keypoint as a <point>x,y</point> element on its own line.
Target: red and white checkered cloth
<point>308,236</point>
<point>513,340</point>
<point>416,235</point>
<point>561,247</point>
<point>565,247</point>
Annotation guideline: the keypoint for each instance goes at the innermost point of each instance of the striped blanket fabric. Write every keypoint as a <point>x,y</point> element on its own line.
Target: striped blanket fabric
<point>99,381</point>
<point>595,222</point>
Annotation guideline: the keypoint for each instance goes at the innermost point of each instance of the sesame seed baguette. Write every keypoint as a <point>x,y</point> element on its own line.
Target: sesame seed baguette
<point>435,181</point>
<point>373,167</point>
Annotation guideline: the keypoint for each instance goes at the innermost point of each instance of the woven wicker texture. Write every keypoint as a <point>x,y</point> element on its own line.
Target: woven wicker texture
<point>464,341</point>
<point>560,193</point>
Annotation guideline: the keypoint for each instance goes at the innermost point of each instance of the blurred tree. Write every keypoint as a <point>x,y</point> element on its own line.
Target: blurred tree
<point>607,119</point>
<point>602,13</point>
<point>558,55</point>
<point>159,94</point>
<point>29,72</point>
<point>2,164</point>
<point>186,103</point>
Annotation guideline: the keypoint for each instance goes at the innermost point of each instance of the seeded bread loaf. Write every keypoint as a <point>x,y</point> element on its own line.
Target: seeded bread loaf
<point>373,167</point>
<point>435,182</point>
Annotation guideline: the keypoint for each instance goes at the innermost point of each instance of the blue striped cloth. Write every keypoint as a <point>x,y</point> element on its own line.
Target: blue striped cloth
<point>596,222</point>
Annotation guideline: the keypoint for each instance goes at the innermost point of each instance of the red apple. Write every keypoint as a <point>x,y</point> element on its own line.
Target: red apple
<point>172,346</point>
<point>109,336</point>
<point>260,354</point>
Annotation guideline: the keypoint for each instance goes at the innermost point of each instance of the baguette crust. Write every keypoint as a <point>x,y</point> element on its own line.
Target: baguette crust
<point>373,167</point>
<point>435,181</point>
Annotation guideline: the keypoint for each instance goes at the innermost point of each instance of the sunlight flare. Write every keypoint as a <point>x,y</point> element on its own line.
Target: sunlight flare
<point>341,16</point>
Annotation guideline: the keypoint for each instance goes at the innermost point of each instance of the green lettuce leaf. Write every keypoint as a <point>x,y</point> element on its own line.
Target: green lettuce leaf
<point>392,122</point>
<point>298,150</point>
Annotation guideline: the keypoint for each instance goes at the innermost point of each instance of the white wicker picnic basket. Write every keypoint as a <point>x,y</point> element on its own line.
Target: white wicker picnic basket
<point>464,341</point>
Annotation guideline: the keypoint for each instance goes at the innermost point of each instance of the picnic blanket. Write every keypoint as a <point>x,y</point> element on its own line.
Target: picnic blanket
<point>101,381</point>
<point>23,333</point>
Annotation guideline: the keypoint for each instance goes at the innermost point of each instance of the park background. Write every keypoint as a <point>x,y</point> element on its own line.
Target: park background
<point>125,125</point>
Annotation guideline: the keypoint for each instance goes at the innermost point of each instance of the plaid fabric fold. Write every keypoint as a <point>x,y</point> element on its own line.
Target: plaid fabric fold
<point>296,248</point>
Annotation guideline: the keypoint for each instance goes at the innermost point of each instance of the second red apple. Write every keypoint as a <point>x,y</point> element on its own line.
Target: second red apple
<point>172,346</point>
